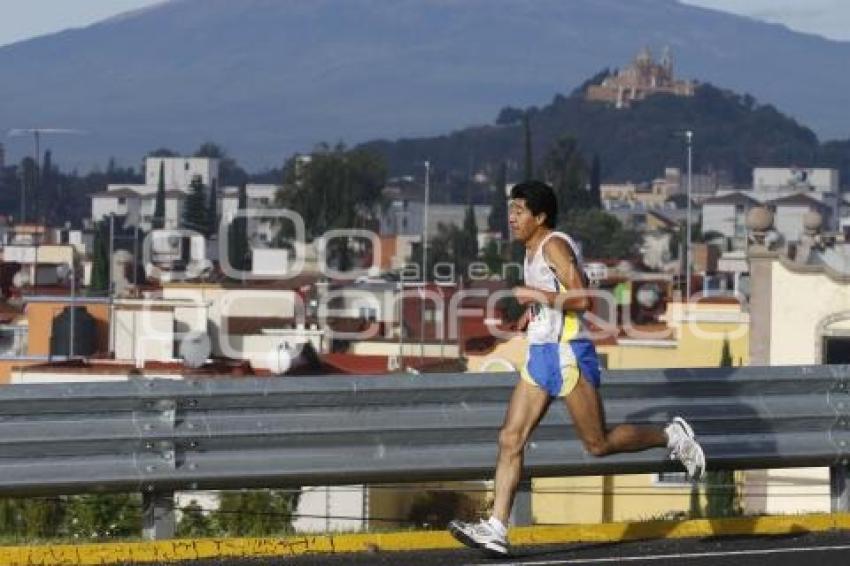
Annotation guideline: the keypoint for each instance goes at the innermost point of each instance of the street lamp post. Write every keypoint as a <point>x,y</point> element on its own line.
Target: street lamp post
<point>424,261</point>
<point>689,141</point>
<point>67,271</point>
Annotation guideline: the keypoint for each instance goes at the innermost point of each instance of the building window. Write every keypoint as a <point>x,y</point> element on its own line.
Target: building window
<point>369,314</point>
<point>672,479</point>
<point>186,166</point>
<point>836,350</point>
<point>122,200</point>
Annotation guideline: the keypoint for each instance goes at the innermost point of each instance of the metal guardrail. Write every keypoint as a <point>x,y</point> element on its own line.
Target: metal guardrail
<point>158,436</point>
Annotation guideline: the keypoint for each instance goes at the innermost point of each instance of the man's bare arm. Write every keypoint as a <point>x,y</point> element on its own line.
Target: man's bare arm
<point>564,265</point>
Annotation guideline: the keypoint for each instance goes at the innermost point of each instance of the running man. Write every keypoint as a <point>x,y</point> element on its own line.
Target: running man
<point>561,363</point>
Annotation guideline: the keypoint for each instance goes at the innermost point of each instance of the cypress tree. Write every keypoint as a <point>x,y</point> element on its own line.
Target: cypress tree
<point>498,219</point>
<point>195,209</point>
<point>100,258</point>
<point>466,245</point>
<point>159,208</point>
<point>238,236</point>
<point>212,213</point>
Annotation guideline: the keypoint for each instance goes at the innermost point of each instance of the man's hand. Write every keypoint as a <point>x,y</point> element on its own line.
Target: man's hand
<point>522,322</point>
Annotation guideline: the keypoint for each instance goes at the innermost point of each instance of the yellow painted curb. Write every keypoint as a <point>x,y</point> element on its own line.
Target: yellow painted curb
<point>173,550</point>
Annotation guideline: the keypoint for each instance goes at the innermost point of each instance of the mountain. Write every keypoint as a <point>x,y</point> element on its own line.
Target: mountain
<point>266,78</point>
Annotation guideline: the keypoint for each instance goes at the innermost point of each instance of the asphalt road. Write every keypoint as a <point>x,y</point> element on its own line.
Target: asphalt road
<point>821,549</point>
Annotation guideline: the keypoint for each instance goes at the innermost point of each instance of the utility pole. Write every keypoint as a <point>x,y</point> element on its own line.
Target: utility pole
<point>111,252</point>
<point>23,196</point>
<point>689,140</point>
<point>424,261</point>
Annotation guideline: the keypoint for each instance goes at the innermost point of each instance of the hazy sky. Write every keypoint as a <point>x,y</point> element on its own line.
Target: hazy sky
<point>21,19</point>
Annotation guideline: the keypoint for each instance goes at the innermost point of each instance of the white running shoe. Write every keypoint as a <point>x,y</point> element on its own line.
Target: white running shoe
<point>683,447</point>
<point>480,535</point>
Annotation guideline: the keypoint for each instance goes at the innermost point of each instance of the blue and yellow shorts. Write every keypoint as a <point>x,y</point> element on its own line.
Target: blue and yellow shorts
<point>556,367</point>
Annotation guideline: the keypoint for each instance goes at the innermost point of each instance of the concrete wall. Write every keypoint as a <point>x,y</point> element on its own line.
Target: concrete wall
<point>144,335</point>
<point>795,324</point>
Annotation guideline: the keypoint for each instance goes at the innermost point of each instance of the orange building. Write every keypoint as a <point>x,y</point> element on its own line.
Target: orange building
<point>38,316</point>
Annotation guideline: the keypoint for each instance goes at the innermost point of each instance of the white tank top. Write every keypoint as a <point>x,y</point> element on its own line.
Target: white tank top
<point>550,325</point>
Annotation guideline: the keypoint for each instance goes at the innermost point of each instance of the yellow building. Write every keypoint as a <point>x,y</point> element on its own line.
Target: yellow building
<point>692,336</point>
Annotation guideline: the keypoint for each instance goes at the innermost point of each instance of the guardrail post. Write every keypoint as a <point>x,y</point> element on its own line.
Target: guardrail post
<point>521,515</point>
<point>839,474</point>
<point>158,520</point>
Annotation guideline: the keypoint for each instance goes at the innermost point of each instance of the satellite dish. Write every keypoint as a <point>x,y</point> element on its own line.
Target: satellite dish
<point>279,360</point>
<point>195,349</point>
<point>21,279</point>
<point>648,295</point>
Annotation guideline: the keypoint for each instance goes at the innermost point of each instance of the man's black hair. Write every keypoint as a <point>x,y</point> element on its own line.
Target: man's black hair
<point>539,197</point>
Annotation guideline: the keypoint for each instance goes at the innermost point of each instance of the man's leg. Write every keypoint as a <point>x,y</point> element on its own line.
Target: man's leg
<point>588,414</point>
<point>527,406</point>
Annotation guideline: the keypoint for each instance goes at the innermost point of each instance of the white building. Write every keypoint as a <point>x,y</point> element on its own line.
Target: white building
<point>259,197</point>
<point>727,215</point>
<point>137,202</point>
<point>776,182</point>
<point>404,217</point>
<point>180,172</point>
<point>789,211</point>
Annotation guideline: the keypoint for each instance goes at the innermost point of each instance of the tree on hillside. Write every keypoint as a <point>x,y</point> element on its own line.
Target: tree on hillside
<point>635,144</point>
<point>158,220</point>
<point>195,208</point>
<point>338,188</point>
<point>509,116</point>
<point>497,221</point>
<point>163,152</point>
<point>230,173</point>
<point>595,183</point>
<point>445,247</point>
<point>529,157</point>
<point>565,169</point>
<point>29,177</point>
